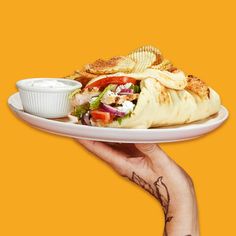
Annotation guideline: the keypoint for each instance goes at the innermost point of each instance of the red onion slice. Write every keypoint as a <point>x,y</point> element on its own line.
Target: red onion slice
<point>112,110</point>
<point>126,91</point>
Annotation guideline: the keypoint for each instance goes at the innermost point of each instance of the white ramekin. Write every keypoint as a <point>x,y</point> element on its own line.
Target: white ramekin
<point>47,102</point>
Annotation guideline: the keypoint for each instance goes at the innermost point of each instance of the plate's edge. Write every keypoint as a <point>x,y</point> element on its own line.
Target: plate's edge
<point>24,116</point>
<point>114,141</point>
<point>186,126</point>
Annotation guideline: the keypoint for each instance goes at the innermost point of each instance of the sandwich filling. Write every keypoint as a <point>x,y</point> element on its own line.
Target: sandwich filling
<point>106,100</point>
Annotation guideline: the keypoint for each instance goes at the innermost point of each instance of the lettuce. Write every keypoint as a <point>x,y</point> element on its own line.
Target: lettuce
<point>136,88</point>
<point>96,103</point>
<point>81,110</point>
<point>120,119</point>
<point>71,96</point>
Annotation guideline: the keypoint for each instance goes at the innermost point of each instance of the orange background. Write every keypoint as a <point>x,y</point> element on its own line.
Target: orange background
<point>49,184</point>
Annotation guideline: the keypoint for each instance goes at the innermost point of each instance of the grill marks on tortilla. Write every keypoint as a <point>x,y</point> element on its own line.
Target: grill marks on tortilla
<point>164,96</point>
<point>112,65</point>
<point>197,86</point>
<point>161,93</point>
<point>100,64</point>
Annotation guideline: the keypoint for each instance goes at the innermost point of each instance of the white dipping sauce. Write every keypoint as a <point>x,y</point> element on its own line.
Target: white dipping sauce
<point>47,97</point>
<point>49,84</point>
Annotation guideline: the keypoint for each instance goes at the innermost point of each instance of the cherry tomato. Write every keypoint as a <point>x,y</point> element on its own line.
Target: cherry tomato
<point>102,83</point>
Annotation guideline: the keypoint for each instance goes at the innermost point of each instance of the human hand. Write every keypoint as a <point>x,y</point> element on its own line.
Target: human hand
<point>151,168</point>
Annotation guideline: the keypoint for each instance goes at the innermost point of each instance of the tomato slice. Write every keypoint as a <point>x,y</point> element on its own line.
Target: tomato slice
<point>102,116</point>
<point>102,83</point>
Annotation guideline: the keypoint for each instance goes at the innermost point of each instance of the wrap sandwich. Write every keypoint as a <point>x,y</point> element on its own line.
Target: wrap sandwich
<point>126,94</point>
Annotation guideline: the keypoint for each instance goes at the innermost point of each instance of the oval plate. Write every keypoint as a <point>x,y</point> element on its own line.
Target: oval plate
<point>66,127</point>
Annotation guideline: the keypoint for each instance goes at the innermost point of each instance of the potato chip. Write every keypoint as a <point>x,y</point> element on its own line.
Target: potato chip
<point>143,60</point>
<point>145,57</point>
<point>156,51</point>
<point>85,74</point>
<point>73,76</point>
<point>81,76</point>
<point>164,65</point>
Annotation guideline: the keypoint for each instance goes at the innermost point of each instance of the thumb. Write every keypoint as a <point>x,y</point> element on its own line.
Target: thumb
<point>153,152</point>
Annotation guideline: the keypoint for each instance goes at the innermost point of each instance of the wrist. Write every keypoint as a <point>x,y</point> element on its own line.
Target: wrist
<point>181,202</point>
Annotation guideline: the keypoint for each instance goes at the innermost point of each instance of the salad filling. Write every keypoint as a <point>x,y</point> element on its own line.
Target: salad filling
<point>102,102</point>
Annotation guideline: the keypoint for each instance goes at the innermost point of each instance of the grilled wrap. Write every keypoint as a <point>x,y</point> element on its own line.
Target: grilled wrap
<point>165,99</point>
<point>161,106</point>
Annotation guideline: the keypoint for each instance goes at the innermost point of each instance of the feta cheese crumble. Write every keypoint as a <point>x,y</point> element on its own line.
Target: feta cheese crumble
<point>126,107</point>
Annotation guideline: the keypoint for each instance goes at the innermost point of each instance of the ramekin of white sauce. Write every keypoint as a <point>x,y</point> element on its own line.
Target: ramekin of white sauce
<point>47,97</point>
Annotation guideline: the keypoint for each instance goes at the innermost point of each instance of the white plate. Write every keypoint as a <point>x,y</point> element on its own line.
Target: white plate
<point>65,127</point>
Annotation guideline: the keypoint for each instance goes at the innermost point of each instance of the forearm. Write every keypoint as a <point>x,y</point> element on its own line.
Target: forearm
<point>184,220</point>
<point>179,206</point>
<point>181,216</point>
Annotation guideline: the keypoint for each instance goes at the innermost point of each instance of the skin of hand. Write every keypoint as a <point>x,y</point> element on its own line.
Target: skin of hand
<point>151,168</point>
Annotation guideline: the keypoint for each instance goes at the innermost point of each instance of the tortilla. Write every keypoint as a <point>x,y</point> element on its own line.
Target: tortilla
<point>159,105</point>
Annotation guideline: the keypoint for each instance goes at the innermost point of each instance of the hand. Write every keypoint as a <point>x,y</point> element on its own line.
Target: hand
<point>150,167</point>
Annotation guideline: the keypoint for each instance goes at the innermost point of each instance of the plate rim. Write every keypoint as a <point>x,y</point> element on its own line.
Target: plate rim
<point>161,129</point>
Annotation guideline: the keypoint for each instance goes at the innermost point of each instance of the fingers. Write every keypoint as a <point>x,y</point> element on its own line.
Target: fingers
<point>154,152</point>
<point>106,153</point>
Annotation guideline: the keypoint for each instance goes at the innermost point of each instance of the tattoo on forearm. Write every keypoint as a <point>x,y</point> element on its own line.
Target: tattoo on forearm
<point>164,198</point>
<point>141,182</point>
<point>160,191</point>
